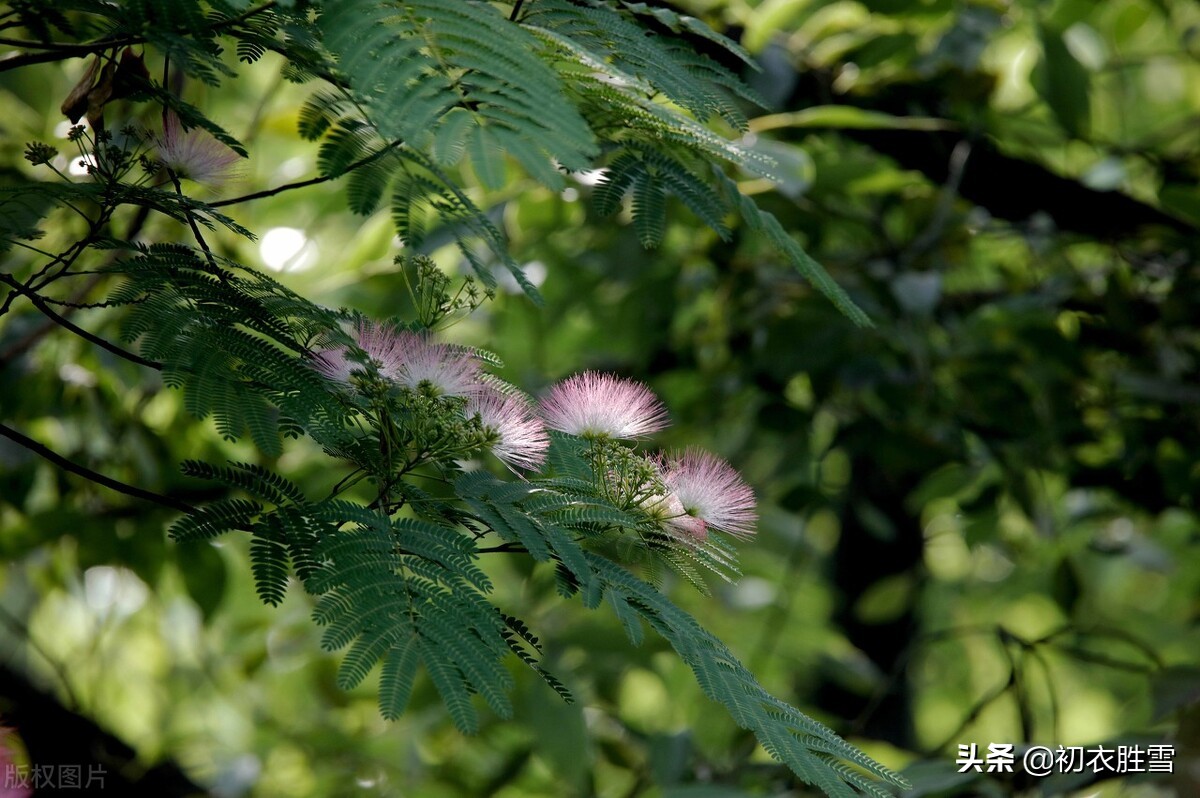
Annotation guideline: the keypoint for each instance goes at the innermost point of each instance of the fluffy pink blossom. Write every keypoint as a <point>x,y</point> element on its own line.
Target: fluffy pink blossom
<point>380,343</point>
<point>711,492</point>
<point>384,345</point>
<point>594,405</point>
<point>335,363</point>
<point>522,437</point>
<point>194,154</point>
<point>449,370</point>
<point>668,511</point>
<point>405,358</point>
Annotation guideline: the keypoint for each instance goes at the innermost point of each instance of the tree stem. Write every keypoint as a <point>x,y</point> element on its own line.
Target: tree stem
<point>93,476</point>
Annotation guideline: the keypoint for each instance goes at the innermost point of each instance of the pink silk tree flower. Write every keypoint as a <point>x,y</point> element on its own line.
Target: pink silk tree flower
<point>380,343</point>
<point>407,359</point>
<point>522,437</point>
<point>385,346</point>
<point>448,370</point>
<point>711,492</point>
<point>594,405</point>
<point>335,364</point>
<point>194,154</point>
<point>668,511</point>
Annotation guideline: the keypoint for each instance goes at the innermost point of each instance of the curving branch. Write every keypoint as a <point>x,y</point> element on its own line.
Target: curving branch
<point>59,51</point>
<point>271,192</point>
<point>75,468</point>
<point>40,303</point>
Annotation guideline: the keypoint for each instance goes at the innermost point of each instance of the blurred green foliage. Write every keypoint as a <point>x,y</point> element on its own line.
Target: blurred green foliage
<point>979,518</point>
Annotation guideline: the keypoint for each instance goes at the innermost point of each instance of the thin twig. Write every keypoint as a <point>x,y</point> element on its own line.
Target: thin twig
<point>71,48</point>
<point>40,303</point>
<point>93,476</point>
<point>73,305</point>
<point>58,51</point>
<point>135,228</point>
<point>513,548</point>
<point>271,192</point>
<point>32,248</point>
<point>191,220</point>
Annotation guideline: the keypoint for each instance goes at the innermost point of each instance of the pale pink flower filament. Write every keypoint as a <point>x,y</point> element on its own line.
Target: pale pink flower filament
<point>381,345</point>
<point>406,358</point>
<point>711,492</point>
<point>667,510</point>
<point>449,371</point>
<point>594,405</point>
<point>335,364</point>
<point>384,345</point>
<point>194,154</point>
<point>522,437</point>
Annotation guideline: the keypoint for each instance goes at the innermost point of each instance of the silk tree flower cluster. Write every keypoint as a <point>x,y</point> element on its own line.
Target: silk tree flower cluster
<point>413,362</point>
<point>685,494</point>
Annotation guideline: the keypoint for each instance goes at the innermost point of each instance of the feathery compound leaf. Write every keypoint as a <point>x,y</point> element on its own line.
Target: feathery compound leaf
<point>348,141</point>
<point>230,338</point>
<point>399,672</point>
<point>681,22</point>
<point>252,478</point>
<point>406,589</point>
<point>320,112</point>
<point>649,210</point>
<point>367,184</point>
<point>411,62</point>
<point>269,560</point>
<point>615,182</point>
<point>451,685</point>
<point>498,503</point>
<point>455,79</point>
<point>450,140</point>
<point>801,743</point>
<point>214,519</point>
<point>627,616</point>
<point>759,220</point>
<point>608,36</point>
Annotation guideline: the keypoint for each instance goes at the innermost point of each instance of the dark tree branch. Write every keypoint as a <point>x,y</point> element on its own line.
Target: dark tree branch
<point>191,220</point>
<point>55,735</point>
<point>29,59</point>
<point>1008,187</point>
<point>510,548</point>
<point>58,51</point>
<point>40,303</point>
<point>93,476</point>
<point>271,192</point>
<point>69,49</point>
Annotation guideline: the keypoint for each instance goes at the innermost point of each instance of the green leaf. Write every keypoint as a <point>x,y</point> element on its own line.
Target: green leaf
<point>399,673</point>
<point>845,117</point>
<point>1063,83</point>
<point>810,749</point>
